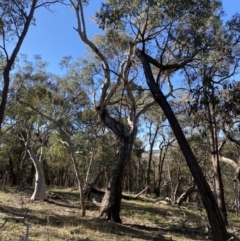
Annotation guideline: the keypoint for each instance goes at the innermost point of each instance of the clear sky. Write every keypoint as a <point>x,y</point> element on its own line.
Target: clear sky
<point>53,37</point>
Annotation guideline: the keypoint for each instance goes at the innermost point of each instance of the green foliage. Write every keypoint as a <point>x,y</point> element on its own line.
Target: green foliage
<point>13,17</point>
<point>109,46</point>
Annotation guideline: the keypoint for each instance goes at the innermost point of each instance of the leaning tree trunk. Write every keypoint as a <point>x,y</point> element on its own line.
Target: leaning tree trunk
<point>40,185</point>
<point>111,201</point>
<point>214,216</point>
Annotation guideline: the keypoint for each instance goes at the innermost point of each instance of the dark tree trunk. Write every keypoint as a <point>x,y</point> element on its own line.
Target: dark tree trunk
<point>214,216</point>
<point>111,201</point>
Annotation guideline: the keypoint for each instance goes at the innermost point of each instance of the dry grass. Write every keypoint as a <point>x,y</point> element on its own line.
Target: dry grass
<point>60,220</point>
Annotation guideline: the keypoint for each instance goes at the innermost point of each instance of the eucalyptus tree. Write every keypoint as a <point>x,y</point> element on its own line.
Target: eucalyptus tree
<point>16,16</point>
<point>218,64</point>
<point>170,34</point>
<point>122,99</point>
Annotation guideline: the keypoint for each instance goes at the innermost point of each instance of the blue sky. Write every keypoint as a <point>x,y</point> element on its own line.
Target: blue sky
<point>53,37</point>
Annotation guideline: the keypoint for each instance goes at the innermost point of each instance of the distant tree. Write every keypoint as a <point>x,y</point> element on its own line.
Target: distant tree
<point>209,83</point>
<point>54,102</point>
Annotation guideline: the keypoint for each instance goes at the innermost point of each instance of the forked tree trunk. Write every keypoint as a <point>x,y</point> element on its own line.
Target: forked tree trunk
<point>111,202</point>
<point>214,216</point>
<point>40,185</point>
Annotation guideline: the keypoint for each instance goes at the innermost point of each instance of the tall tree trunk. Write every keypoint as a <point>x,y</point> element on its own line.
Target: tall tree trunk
<point>213,140</point>
<point>111,201</point>
<point>40,185</point>
<point>214,216</point>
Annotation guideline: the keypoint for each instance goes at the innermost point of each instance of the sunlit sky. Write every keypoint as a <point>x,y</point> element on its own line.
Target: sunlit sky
<point>54,37</point>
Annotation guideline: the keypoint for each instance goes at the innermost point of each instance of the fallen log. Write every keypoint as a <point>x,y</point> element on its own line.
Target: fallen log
<point>144,190</point>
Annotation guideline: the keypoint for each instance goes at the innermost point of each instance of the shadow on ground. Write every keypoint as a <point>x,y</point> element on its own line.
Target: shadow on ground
<point>64,212</point>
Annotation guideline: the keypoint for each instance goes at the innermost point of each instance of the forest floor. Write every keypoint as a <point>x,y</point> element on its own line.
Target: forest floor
<point>59,219</point>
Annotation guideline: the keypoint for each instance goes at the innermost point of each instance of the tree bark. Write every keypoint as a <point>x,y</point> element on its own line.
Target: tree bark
<point>214,216</point>
<point>111,201</point>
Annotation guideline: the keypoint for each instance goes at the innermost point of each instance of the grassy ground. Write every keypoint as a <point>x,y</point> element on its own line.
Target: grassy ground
<point>59,219</point>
